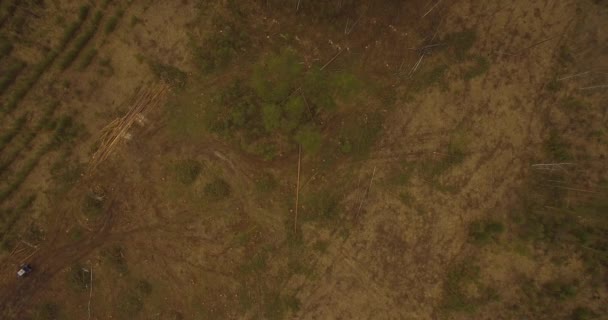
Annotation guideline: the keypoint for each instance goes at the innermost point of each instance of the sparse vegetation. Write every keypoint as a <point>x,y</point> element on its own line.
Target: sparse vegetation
<point>81,41</point>
<point>11,74</point>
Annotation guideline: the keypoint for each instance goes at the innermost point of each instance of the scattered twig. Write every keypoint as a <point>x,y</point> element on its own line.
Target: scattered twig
<point>594,87</point>
<point>91,290</point>
<point>349,30</point>
<point>433,7</point>
<point>366,191</point>
<point>295,220</point>
<point>415,67</point>
<point>332,59</point>
<point>567,188</point>
<point>573,76</point>
<point>298,6</point>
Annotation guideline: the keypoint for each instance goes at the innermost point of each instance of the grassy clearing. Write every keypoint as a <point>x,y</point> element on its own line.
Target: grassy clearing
<point>8,78</point>
<point>81,42</point>
<point>29,136</point>
<point>429,78</point>
<point>23,88</point>
<point>279,107</point>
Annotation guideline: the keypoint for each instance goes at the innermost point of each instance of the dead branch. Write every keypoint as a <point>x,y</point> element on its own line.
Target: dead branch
<point>295,220</point>
<point>90,290</point>
<point>594,87</point>
<point>433,7</point>
<point>366,191</point>
<point>332,59</point>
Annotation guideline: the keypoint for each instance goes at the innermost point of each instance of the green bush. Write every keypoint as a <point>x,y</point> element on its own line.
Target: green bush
<point>266,183</point>
<point>92,205</point>
<point>275,77</point>
<point>217,190</point>
<point>271,114</point>
<point>78,278</point>
<point>115,256</point>
<point>310,139</point>
<point>560,290</point>
<point>582,313</point>
<point>320,206</point>
<point>169,74</point>
<point>220,48</point>
<point>557,148</point>
<point>461,42</point>
<point>5,47</point>
<point>187,171</point>
<point>47,311</point>
<point>484,231</point>
<point>482,65</point>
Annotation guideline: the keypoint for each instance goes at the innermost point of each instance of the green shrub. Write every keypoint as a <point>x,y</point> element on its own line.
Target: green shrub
<point>78,278</point>
<point>560,290</point>
<point>582,313</point>
<point>217,190</point>
<point>484,231</point>
<point>5,47</point>
<point>482,65</point>
<point>187,171</point>
<point>557,148</point>
<point>169,74</point>
<point>47,311</point>
<point>424,80</point>
<point>310,139</point>
<point>92,205</point>
<point>320,206</point>
<point>115,256</point>
<point>275,77</point>
<point>266,183</point>
<point>461,42</point>
<point>220,48</point>
<point>271,114</point>
<point>293,114</point>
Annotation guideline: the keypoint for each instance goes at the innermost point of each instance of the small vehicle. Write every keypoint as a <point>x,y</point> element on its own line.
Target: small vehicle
<point>24,270</point>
